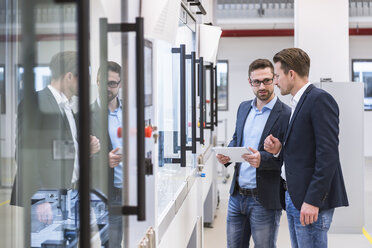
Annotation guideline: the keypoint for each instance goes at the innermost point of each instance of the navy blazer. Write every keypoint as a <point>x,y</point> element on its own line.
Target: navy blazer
<point>98,168</point>
<point>310,152</point>
<point>268,179</point>
<point>37,129</point>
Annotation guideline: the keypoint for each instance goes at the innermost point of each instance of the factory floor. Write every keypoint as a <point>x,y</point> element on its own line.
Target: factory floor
<point>215,237</point>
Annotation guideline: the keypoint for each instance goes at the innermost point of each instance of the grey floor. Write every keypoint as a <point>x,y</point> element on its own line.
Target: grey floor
<point>215,237</point>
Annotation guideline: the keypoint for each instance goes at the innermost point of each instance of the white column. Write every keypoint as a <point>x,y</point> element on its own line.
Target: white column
<point>322,30</point>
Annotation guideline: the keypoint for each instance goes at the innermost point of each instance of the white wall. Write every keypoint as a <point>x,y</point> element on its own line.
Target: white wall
<point>324,39</point>
<point>360,48</point>
<point>240,52</point>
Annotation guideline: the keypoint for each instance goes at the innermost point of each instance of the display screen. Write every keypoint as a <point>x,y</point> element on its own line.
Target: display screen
<point>362,72</point>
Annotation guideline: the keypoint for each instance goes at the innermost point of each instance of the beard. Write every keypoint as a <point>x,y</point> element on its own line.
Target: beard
<point>263,97</point>
<point>111,96</point>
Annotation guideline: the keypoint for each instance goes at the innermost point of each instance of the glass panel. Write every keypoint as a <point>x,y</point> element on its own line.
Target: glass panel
<point>40,147</point>
<point>207,106</point>
<point>39,170</point>
<point>107,117</point>
<point>222,84</point>
<point>362,72</point>
<point>171,177</point>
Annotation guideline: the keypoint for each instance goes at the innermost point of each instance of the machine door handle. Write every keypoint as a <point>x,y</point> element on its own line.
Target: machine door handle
<point>137,27</point>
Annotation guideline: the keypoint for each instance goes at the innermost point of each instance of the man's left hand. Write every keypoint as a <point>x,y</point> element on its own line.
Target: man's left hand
<point>253,159</point>
<point>94,145</point>
<point>309,214</point>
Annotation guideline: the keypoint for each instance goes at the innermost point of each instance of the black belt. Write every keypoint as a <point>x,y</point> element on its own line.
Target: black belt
<point>248,192</point>
<point>285,185</point>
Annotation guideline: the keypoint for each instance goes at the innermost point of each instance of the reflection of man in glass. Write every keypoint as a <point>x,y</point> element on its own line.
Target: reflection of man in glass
<point>47,148</point>
<point>114,145</point>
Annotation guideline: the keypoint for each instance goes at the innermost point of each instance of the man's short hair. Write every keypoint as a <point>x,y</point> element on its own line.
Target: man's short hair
<point>260,64</point>
<point>62,63</point>
<point>293,59</point>
<point>111,66</point>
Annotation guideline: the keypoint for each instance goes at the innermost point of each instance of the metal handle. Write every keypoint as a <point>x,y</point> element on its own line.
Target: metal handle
<point>201,99</point>
<point>212,96</point>
<point>84,122</point>
<point>193,104</point>
<point>183,147</point>
<point>140,209</point>
<point>216,96</point>
<point>210,125</point>
<point>140,65</point>
<point>182,160</point>
<point>192,56</point>
<point>183,103</point>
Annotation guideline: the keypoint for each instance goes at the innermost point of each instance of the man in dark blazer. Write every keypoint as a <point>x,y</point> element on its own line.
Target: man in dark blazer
<point>312,167</point>
<point>255,194</point>
<point>113,116</point>
<point>47,138</point>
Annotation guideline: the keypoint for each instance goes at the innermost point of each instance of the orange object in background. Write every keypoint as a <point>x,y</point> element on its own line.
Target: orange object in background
<point>199,124</point>
<point>148,131</point>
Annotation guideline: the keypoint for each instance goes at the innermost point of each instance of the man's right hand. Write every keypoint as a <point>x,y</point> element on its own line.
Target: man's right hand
<point>272,144</point>
<point>222,159</point>
<point>44,213</point>
<point>114,159</point>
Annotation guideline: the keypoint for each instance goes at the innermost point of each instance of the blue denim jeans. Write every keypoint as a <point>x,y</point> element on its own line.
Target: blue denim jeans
<point>246,215</point>
<point>310,236</point>
<point>115,221</point>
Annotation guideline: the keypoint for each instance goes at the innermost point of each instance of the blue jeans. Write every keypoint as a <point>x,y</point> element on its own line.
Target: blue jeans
<point>310,236</point>
<point>115,221</point>
<point>244,215</point>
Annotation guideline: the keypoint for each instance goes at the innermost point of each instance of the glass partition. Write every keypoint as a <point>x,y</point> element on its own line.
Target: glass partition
<point>171,176</point>
<point>223,85</point>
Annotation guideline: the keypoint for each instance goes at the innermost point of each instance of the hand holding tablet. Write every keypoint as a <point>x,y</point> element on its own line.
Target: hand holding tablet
<point>234,153</point>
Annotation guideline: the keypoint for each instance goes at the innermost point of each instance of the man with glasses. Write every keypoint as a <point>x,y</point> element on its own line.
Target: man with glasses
<point>115,166</point>
<point>255,193</point>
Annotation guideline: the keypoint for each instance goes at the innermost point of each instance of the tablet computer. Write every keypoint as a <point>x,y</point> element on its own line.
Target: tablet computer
<point>235,153</point>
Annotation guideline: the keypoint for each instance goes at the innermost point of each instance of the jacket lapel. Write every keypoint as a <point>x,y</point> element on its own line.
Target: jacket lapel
<point>242,121</point>
<point>55,109</point>
<point>274,115</point>
<point>298,107</point>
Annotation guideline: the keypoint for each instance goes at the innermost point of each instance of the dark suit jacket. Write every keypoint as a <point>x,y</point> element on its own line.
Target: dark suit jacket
<point>268,174</point>
<point>99,168</point>
<point>40,124</point>
<point>310,152</point>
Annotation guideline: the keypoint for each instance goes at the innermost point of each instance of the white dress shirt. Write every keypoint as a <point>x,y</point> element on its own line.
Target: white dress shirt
<point>294,102</point>
<point>65,107</point>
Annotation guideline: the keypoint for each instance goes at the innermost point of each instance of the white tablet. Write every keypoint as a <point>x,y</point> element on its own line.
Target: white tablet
<point>235,153</point>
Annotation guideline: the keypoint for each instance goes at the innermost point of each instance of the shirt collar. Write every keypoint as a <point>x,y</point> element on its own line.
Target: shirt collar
<point>269,105</point>
<point>59,96</point>
<point>298,95</point>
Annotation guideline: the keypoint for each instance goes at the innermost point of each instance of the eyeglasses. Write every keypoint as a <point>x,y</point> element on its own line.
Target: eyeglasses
<point>257,83</point>
<point>113,84</point>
